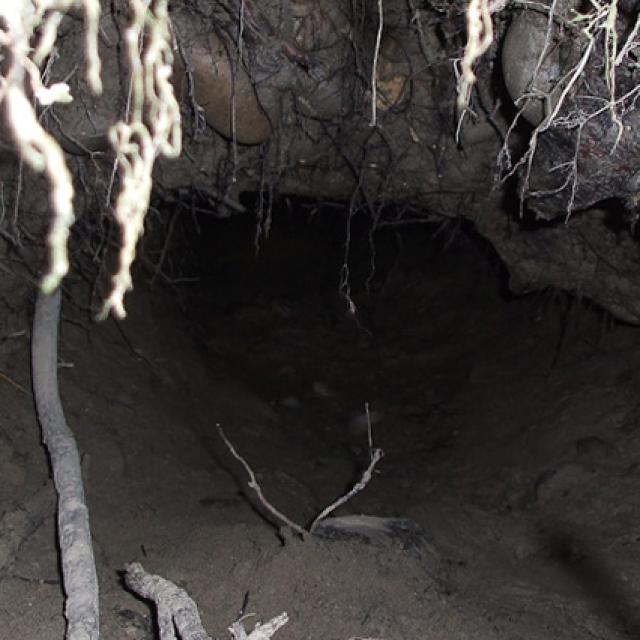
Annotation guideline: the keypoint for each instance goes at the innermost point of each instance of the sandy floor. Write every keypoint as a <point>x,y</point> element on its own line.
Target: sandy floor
<point>510,432</point>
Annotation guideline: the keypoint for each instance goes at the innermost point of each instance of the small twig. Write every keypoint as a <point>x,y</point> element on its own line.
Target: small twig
<point>629,43</point>
<point>234,75</point>
<point>165,247</point>
<point>16,205</point>
<point>212,195</point>
<point>376,456</point>
<point>374,66</point>
<point>369,430</point>
<point>13,383</point>
<point>253,484</point>
<point>428,219</point>
<point>234,205</point>
<point>260,631</point>
<point>199,121</point>
<point>547,42</point>
<point>344,287</point>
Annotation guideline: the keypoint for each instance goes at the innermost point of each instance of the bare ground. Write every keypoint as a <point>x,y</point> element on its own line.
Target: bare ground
<point>510,430</point>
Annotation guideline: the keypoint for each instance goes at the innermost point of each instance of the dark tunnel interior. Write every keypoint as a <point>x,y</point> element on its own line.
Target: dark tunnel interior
<point>504,501</point>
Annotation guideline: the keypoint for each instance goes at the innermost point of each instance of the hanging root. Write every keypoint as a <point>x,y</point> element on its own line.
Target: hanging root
<point>74,536</point>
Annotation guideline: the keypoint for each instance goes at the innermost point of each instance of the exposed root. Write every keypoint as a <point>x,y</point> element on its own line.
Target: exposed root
<point>479,39</point>
<point>176,610</point>
<point>374,66</point>
<point>74,535</point>
<point>138,145</point>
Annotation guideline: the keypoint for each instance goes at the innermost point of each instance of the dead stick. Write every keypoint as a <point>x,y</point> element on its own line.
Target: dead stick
<point>13,383</point>
<point>74,535</point>
<point>253,484</point>
<point>175,608</point>
<point>376,456</point>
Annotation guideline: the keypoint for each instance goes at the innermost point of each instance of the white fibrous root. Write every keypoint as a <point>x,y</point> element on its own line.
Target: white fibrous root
<point>479,39</point>
<point>152,128</point>
<point>21,20</point>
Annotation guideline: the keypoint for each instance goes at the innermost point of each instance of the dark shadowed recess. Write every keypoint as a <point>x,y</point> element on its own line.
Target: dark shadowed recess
<point>301,246</point>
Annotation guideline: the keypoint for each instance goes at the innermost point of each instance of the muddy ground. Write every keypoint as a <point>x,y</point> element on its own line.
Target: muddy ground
<point>509,426</point>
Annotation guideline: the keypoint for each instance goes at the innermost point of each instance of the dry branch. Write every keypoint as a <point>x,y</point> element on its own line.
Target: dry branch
<point>175,608</point>
<point>375,456</point>
<point>260,631</point>
<point>178,612</point>
<point>253,484</point>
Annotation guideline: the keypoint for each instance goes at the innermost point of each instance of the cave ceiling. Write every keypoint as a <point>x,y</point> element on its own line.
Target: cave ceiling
<point>359,102</point>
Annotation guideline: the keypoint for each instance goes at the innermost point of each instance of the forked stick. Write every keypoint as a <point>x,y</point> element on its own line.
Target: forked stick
<point>375,455</point>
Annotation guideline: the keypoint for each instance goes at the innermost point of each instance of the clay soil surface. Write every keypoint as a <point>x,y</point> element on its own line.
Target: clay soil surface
<point>510,430</point>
